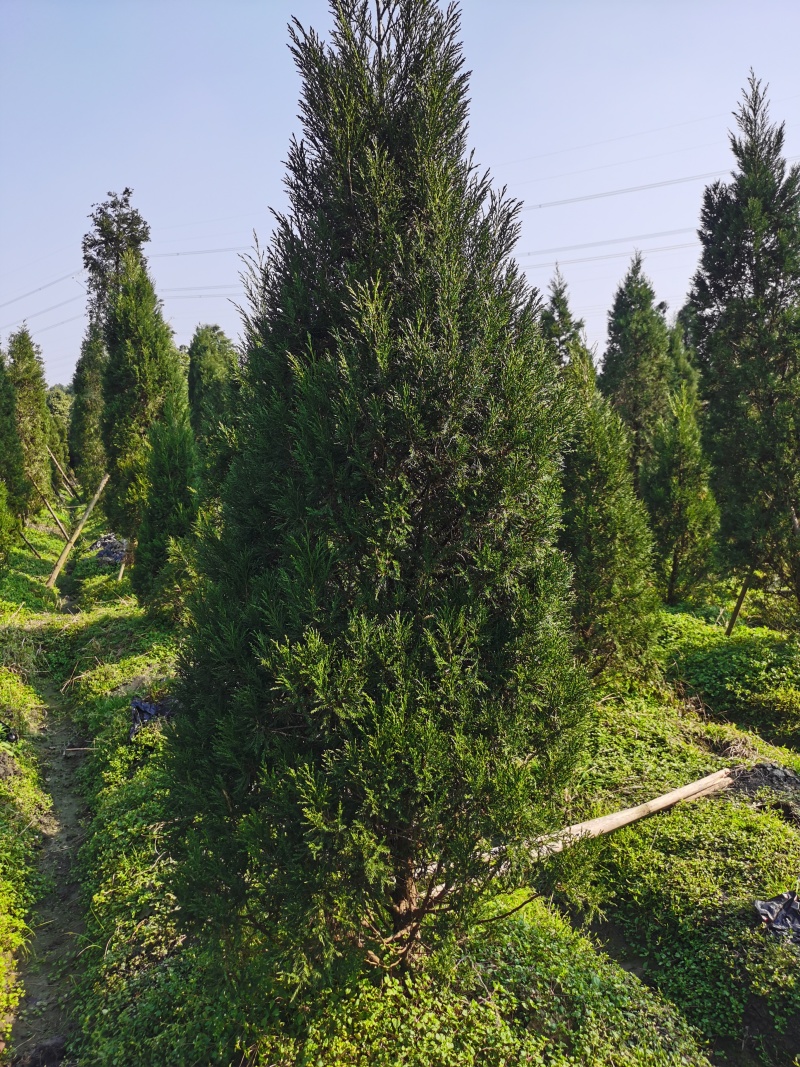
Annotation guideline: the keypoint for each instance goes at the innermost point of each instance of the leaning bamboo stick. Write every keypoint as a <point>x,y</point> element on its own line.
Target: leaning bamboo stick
<point>64,533</point>
<point>30,546</point>
<point>605,824</point>
<point>550,844</point>
<point>62,559</point>
<point>70,486</point>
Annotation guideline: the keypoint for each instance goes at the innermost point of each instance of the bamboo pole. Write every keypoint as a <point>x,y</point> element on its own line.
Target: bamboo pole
<point>30,546</point>
<point>605,824</point>
<point>64,533</point>
<point>542,847</point>
<point>69,485</point>
<point>62,559</point>
<point>740,601</point>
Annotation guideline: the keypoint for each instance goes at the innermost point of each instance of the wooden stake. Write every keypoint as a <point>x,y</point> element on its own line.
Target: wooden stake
<point>62,559</point>
<point>69,485</point>
<point>740,601</point>
<point>30,546</point>
<point>64,533</point>
<point>121,570</point>
<point>712,783</point>
<point>542,847</point>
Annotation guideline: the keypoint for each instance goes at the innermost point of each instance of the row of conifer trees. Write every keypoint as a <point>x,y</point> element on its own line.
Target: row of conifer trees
<point>412,497</point>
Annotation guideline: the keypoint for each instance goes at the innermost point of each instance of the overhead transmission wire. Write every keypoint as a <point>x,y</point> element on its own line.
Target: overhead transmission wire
<point>528,207</point>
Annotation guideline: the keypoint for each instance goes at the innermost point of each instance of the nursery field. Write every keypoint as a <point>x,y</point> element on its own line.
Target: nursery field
<point>646,950</point>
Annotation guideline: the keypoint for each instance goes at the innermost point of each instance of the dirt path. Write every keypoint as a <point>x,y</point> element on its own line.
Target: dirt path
<point>41,1026</point>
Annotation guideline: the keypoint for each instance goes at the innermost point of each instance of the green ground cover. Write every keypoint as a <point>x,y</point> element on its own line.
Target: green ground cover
<point>23,800</point>
<point>529,988</point>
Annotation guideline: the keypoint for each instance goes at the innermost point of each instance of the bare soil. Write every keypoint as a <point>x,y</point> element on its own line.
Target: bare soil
<point>42,1026</point>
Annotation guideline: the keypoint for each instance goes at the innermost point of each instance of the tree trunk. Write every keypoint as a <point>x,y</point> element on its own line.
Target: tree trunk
<point>740,601</point>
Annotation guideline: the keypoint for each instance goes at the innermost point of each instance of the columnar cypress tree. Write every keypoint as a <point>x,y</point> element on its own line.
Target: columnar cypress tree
<point>12,458</point>
<point>683,512</point>
<point>8,525</point>
<point>213,393</point>
<point>141,363</point>
<point>26,374</point>
<point>746,296</point>
<point>559,326</point>
<point>605,532</point>
<point>117,228</point>
<point>635,370</point>
<point>87,451</point>
<point>379,685</point>
<point>170,508</point>
<point>59,406</point>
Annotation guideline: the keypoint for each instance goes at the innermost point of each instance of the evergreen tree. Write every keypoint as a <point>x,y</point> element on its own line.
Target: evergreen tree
<point>683,512</point>
<point>635,374</point>
<point>558,325</point>
<point>117,228</point>
<point>87,451</point>
<point>379,685</point>
<point>12,458</point>
<point>26,374</point>
<point>605,532</point>
<point>141,362</point>
<point>170,509</point>
<point>9,525</point>
<point>59,405</point>
<point>681,369</point>
<point>746,297</point>
<point>213,393</point>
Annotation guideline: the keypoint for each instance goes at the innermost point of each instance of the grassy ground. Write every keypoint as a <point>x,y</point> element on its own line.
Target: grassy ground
<point>674,893</point>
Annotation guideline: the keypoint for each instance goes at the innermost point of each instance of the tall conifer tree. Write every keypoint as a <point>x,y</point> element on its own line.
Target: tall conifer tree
<point>213,393</point>
<point>635,373</point>
<point>380,685</point>
<point>171,477</point>
<point>606,534</point>
<point>141,363</point>
<point>117,228</point>
<point>746,298</point>
<point>87,451</point>
<point>683,512</point>
<point>12,458</point>
<point>26,374</point>
<point>559,325</point>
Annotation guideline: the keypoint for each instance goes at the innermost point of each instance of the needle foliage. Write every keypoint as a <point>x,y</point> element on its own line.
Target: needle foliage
<point>380,685</point>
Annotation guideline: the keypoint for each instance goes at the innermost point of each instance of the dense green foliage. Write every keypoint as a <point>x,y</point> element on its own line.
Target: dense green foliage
<point>142,361</point>
<point>605,532</point>
<point>12,458</point>
<point>751,678</point>
<point>636,365</point>
<point>213,395</point>
<point>8,525</point>
<point>559,326</point>
<point>380,672</point>
<point>26,374</point>
<point>117,229</point>
<point>746,298</point>
<point>683,512</point>
<point>171,507</point>
<point>87,451</point>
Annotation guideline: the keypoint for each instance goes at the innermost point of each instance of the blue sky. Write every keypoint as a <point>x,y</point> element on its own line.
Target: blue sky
<point>193,103</point>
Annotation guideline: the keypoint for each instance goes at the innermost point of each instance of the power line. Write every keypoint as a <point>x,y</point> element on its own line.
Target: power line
<point>201,252</point>
<point>611,255</point>
<point>627,189</point>
<point>628,136</point>
<point>634,188</point>
<point>53,325</point>
<point>48,285</point>
<point>610,241</point>
<point>44,311</point>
